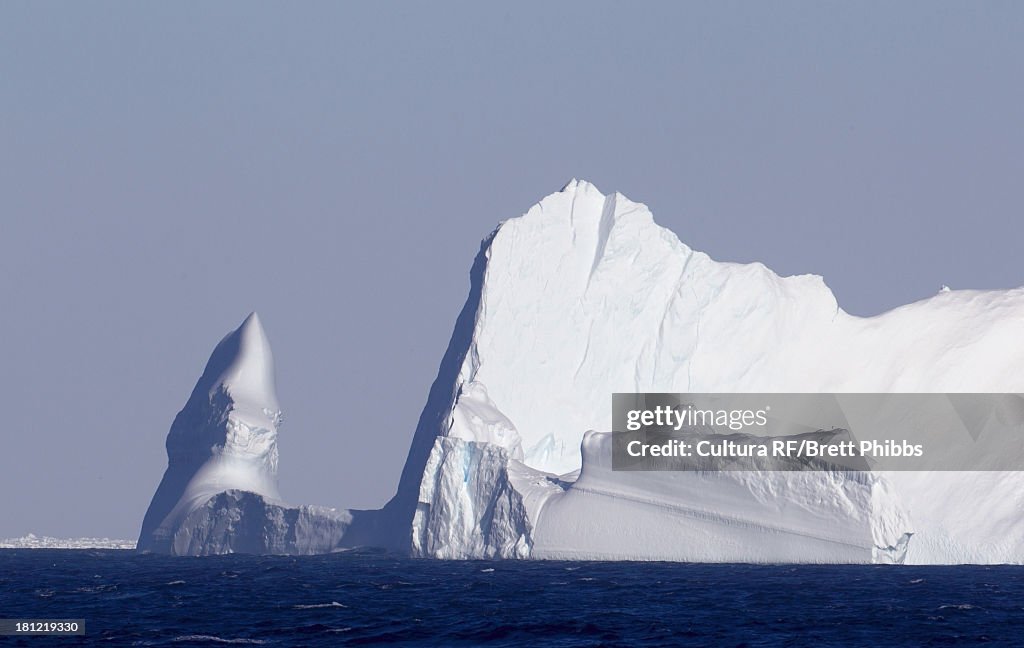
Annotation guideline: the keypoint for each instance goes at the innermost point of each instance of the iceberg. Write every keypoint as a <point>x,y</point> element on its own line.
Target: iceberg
<point>581,297</point>
<point>219,492</point>
<point>585,295</point>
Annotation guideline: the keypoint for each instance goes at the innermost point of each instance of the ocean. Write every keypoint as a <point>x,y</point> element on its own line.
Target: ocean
<point>368,597</point>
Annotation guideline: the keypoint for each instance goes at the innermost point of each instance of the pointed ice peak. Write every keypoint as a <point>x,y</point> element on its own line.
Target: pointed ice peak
<point>243,365</point>
<point>585,213</point>
<point>252,323</point>
<point>581,186</point>
<point>583,197</point>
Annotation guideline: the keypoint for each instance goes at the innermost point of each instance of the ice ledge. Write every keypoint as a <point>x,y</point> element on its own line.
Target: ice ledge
<point>476,501</point>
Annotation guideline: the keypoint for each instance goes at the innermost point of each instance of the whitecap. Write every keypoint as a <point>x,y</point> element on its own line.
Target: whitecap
<point>215,639</point>
<point>315,606</point>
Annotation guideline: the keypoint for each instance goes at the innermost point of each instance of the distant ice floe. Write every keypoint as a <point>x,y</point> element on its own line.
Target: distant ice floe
<point>32,541</point>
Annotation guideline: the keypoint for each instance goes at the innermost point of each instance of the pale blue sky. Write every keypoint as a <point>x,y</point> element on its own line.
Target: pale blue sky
<point>166,168</point>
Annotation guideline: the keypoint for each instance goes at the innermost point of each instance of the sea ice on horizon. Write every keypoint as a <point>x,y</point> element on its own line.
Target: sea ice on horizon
<point>32,541</point>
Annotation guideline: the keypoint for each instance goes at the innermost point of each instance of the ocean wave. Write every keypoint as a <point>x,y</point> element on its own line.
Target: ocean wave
<point>315,606</point>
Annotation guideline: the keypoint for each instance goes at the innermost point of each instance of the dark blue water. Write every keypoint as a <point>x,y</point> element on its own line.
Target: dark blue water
<point>367,598</point>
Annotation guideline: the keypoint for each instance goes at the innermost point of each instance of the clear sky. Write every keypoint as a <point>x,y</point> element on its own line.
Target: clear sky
<point>167,168</point>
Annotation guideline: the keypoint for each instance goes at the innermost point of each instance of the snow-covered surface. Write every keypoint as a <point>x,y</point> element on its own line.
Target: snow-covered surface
<point>32,541</point>
<point>585,295</point>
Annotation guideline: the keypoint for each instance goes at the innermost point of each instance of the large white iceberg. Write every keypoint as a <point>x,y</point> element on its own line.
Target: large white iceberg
<point>583,296</point>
